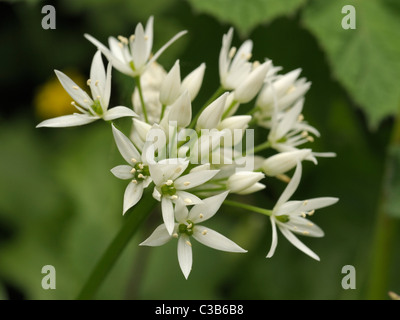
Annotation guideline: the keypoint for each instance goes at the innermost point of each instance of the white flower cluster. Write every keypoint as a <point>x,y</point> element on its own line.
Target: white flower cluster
<point>193,162</point>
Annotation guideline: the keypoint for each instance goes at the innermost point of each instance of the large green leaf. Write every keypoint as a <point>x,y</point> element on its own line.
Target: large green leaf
<point>366,60</point>
<point>244,14</point>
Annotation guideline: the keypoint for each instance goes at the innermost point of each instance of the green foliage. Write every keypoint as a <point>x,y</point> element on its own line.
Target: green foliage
<point>246,15</point>
<point>392,186</point>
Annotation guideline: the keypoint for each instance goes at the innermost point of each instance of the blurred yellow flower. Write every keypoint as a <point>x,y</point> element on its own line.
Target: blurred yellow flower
<point>51,100</point>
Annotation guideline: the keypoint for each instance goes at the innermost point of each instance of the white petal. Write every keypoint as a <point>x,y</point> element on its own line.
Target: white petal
<point>317,203</point>
<point>290,118</point>
<point>133,193</point>
<point>168,214</point>
<point>125,146</point>
<point>208,208</point>
<point>118,112</point>
<point>181,110</point>
<point>188,198</point>
<point>67,121</point>
<point>156,194</point>
<point>181,211</point>
<point>303,227</point>
<point>274,238</point>
<point>171,85</point>
<point>291,187</point>
<point>122,172</point>
<point>298,244</point>
<point>149,35</point>
<point>139,48</point>
<point>288,208</point>
<point>252,189</point>
<point>98,79</point>
<point>194,179</point>
<point>165,46</point>
<point>185,256</point>
<point>193,81</point>
<point>211,116</point>
<point>159,237</point>
<point>215,240</point>
<point>76,93</point>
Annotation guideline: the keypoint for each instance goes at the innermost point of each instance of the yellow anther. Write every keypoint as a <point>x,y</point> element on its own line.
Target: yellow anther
<point>133,170</point>
<point>174,197</point>
<point>311,212</point>
<point>88,82</point>
<point>204,232</point>
<point>175,235</point>
<point>186,183</point>
<point>169,182</point>
<point>232,52</point>
<point>188,201</point>
<point>133,160</point>
<point>134,181</point>
<point>188,243</point>
<point>75,87</point>
<point>201,216</point>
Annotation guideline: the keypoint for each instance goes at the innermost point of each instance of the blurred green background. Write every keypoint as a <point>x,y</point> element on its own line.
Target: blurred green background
<point>61,206</point>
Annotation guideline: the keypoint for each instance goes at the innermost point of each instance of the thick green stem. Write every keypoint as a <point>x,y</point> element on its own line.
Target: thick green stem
<point>385,230</point>
<point>228,110</point>
<point>261,147</point>
<point>248,207</point>
<point>139,87</point>
<point>133,219</point>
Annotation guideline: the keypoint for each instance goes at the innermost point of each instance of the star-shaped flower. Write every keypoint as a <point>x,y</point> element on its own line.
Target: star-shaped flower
<point>133,56</point>
<point>290,216</point>
<point>137,170</point>
<point>91,108</point>
<point>189,225</point>
<point>170,185</point>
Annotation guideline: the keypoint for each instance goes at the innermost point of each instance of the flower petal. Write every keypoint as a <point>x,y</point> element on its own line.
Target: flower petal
<point>168,214</point>
<point>125,146</point>
<point>185,256</point>
<point>67,121</point>
<point>118,112</point>
<point>274,242</point>
<point>139,48</point>
<point>215,240</point>
<point>181,211</point>
<point>122,172</point>
<point>76,93</point>
<point>133,193</point>
<point>98,78</point>
<point>208,208</point>
<point>188,198</point>
<point>291,187</point>
<point>194,179</point>
<point>159,237</point>
<point>298,244</point>
<point>317,203</point>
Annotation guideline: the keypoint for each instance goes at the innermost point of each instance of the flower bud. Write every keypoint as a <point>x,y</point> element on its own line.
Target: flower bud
<point>249,88</point>
<point>211,116</point>
<point>171,85</point>
<point>193,81</point>
<point>283,162</point>
<point>242,180</point>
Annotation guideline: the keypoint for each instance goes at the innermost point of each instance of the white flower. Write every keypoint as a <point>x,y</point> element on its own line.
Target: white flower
<point>171,186</point>
<point>211,116</point>
<point>290,216</point>
<point>189,225</point>
<point>245,182</point>
<point>171,85</point>
<point>137,170</point>
<point>250,87</point>
<point>93,108</point>
<point>288,130</point>
<point>283,91</point>
<point>234,67</point>
<point>181,110</point>
<point>284,161</point>
<point>133,56</point>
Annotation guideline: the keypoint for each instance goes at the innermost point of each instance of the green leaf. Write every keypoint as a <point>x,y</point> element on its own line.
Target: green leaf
<point>246,15</point>
<point>366,60</point>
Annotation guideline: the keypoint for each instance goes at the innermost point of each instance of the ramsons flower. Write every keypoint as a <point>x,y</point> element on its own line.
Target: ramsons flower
<point>91,108</point>
<point>171,186</point>
<point>137,170</point>
<point>290,216</point>
<point>133,56</point>
<point>189,224</point>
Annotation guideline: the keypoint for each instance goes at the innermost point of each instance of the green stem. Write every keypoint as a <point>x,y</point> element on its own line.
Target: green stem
<point>248,207</point>
<point>163,107</point>
<point>139,86</point>
<point>216,94</point>
<point>133,220</point>
<point>261,147</point>
<point>226,112</point>
<point>386,228</point>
